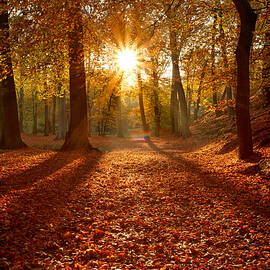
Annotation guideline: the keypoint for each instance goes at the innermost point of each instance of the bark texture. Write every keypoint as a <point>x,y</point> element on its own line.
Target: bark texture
<point>248,22</point>
<point>177,84</point>
<point>77,136</point>
<point>10,137</point>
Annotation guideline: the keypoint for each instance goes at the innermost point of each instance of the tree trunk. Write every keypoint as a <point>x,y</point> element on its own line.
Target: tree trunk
<point>248,22</point>
<point>62,115</point>
<point>10,137</point>
<point>89,110</point>
<point>266,71</point>
<point>214,88</point>
<point>172,110</point>
<point>224,55</point>
<point>46,118</point>
<point>53,115</point>
<point>178,86</point>
<point>156,103</point>
<point>21,112</point>
<point>77,136</point>
<point>34,104</point>
<point>119,117</point>
<point>197,105</point>
<point>143,118</point>
<point>175,112</point>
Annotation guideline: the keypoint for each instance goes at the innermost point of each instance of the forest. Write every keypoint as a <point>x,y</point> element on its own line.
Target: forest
<point>134,134</point>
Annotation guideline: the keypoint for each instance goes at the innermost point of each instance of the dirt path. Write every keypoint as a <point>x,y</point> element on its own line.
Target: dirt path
<point>140,205</point>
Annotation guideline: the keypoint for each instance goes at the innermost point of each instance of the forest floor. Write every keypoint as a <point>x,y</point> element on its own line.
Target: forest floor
<point>140,204</point>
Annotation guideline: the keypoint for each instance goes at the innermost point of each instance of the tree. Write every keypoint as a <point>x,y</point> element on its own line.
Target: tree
<point>177,84</point>
<point>141,103</point>
<point>77,136</point>
<point>248,22</point>
<point>10,137</point>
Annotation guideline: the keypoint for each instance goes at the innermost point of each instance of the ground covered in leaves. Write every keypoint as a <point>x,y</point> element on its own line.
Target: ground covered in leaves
<point>154,204</point>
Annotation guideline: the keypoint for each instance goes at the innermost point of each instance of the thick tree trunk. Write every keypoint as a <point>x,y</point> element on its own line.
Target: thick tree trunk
<point>21,109</point>
<point>141,103</point>
<point>156,103</point>
<point>175,113</point>
<point>248,22</point>
<point>10,137</point>
<point>77,136</point>
<point>178,86</point>
<point>34,104</point>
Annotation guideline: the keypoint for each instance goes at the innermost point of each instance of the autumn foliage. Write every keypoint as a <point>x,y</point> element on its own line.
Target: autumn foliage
<point>154,204</point>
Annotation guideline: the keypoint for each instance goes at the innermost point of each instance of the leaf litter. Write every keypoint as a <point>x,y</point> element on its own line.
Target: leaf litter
<point>156,204</point>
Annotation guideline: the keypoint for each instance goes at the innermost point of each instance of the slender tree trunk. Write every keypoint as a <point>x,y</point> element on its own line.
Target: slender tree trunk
<point>214,88</point>
<point>156,103</point>
<point>53,115</point>
<point>141,103</point>
<point>10,137</point>
<point>177,84</point>
<point>189,102</point>
<point>248,22</point>
<point>197,105</point>
<point>77,136</point>
<point>266,71</point>
<point>62,115</point>
<point>34,104</point>
<point>224,54</point>
<point>21,109</point>
<point>89,109</point>
<point>46,118</point>
<point>119,117</point>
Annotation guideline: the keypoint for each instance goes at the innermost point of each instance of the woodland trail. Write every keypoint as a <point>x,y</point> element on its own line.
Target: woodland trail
<point>139,205</point>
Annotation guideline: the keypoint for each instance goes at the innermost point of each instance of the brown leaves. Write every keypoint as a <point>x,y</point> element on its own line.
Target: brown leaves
<point>134,209</point>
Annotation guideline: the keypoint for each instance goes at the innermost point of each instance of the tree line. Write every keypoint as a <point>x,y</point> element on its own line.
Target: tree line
<point>191,54</point>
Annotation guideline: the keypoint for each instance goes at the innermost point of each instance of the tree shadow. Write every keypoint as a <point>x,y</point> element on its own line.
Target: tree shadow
<point>231,192</point>
<point>32,211</point>
<point>26,178</point>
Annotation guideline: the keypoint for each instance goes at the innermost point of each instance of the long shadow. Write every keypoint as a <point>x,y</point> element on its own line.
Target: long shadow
<point>220,183</point>
<point>25,178</point>
<point>31,212</point>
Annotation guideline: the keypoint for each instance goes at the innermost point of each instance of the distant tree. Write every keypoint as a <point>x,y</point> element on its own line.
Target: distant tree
<point>248,22</point>
<point>10,137</point>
